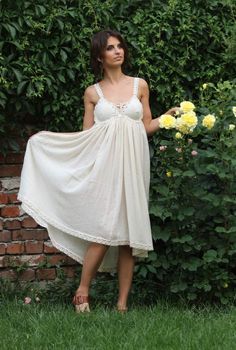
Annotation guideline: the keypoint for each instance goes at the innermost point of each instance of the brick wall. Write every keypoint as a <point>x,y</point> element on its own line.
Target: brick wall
<point>24,243</point>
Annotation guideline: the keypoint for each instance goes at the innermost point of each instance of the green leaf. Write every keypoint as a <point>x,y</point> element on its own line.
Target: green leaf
<point>61,77</point>
<point>21,86</point>
<point>17,74</point>
<point>63,55</point>
<point>151,268</point>
<point>11,29</point>
<point>192,264</point>
<point>183,239</point>
<point>164,235</point>
<point>164,190</point>
<point>189,173</point>
<point>210,255</point>
<point>189,211</point>
<point>220,229</point>
<point>143,271</point>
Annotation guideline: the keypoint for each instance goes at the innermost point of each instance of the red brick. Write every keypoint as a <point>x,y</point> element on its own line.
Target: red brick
<point>2,248</point>
<point>10,211</point>
<point>29,223</point>
<point>27,275</point>
<point>1,225</point>
<point>5,236</point>
<point>2,158</point>
<point>46,274</point>
<point>3,198</point>
<point>40,234</point>
<point>69,271</point>
<point>10,170</point>
<point>30,260</point>
<point>70,261</point>
<point>8,274</point>
<point>4,261</point>
<point>12,225</point>
<point>12,198</point>
<point>49,248</point>
<point>14,158</point>
<point>34,246</point>
<point>57,259</point>
<point>15,248</point>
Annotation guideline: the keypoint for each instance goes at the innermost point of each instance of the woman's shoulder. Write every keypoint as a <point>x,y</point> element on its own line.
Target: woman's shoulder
<point>142,83</point>
<point>90,94</point>
<point>89,90</point>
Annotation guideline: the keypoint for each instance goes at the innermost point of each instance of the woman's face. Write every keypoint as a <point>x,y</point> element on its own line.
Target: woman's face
<point>114,53</point>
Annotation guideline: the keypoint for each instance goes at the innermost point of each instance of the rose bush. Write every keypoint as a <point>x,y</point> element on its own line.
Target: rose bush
<point>193,201</point>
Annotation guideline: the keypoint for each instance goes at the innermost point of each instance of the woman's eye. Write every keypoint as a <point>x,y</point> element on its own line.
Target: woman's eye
<point>110,47</point>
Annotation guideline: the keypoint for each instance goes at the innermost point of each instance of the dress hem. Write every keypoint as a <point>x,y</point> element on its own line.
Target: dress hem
<point>42,219</point>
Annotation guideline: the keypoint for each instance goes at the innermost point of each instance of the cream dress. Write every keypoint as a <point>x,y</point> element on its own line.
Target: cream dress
<point>92,185</point>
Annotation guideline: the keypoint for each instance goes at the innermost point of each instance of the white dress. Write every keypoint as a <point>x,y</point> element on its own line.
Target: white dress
<point>92,185</point>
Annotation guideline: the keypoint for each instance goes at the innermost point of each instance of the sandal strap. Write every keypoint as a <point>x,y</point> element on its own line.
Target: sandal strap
<point>80,299</point>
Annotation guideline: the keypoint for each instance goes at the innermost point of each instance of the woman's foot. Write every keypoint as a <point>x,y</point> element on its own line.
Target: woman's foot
<point>81,302</point>
<point>121,308</point>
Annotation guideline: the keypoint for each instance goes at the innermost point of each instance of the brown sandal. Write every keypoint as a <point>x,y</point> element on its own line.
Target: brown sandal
<point>81,303</point>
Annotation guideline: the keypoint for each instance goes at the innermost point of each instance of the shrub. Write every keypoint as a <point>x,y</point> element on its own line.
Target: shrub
<point>193,203</point>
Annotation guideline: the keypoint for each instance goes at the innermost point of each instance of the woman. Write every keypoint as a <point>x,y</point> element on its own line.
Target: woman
<point>90,188</point>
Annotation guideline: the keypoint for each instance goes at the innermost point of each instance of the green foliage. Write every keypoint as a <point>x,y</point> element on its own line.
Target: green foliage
<point>193,211</point>
<point>44,54</point>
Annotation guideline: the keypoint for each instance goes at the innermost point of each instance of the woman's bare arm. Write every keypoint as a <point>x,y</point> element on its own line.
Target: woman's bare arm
<point>151,125</point>
<point>88,119</point>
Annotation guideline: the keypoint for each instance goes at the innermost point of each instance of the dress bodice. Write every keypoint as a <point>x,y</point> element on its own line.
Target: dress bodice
<point>106,109</point>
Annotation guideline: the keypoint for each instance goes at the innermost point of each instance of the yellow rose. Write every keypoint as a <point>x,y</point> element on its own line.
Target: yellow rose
<point>187,106</point>
<point>225,285</point>
<point>167,121</point>
<point>209,121</point>
<point>178,135</point>
<point>168,173</point>
<point>187,122</point>
<point>231,126</point>
<point>204,86</point>
<point>234,110</point>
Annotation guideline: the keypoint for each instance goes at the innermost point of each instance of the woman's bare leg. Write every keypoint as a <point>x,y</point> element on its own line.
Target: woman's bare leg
<point>92,261</point>
<point>125,274</point>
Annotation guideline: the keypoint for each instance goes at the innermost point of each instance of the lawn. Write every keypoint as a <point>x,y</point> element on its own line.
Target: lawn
<point>164,326</point>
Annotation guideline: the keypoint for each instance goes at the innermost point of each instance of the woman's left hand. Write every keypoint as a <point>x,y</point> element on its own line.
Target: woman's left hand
<point>173,110</point>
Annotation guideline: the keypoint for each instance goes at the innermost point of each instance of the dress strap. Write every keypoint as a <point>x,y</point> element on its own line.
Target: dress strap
<point>136,81</point>
<point>99,90</point>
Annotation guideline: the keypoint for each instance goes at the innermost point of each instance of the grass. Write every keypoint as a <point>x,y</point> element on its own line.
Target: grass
<point>164,326</point>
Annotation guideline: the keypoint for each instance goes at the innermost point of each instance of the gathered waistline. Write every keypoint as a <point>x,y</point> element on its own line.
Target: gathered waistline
<point>117,116</point>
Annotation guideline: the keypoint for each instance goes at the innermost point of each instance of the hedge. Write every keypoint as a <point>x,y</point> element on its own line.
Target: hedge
<point>176,46</point>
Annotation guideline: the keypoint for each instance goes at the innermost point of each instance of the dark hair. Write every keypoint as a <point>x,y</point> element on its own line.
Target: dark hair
<point>98,45</point>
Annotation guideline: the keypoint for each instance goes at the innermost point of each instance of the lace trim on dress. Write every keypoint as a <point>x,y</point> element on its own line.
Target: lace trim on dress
<point>135,92</point>
<point>43,219</point>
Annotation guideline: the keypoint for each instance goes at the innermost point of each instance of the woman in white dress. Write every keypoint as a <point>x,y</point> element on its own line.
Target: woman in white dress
<point>90,188</point>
